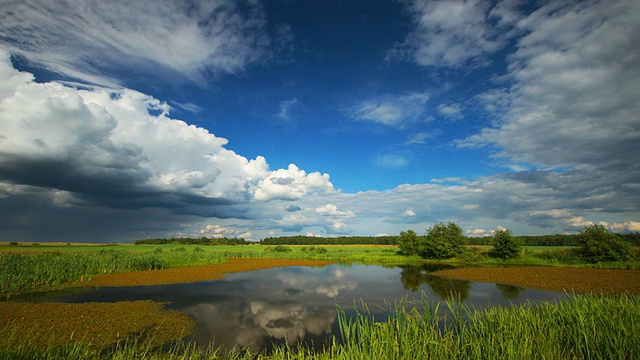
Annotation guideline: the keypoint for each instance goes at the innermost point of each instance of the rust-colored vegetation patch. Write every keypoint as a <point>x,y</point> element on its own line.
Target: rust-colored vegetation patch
<point>95,324</point>
<point>578,280</point>
<point>194,273</point>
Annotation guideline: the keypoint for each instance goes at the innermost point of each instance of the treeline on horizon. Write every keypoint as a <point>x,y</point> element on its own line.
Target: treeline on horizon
<point>193,241</point>
<point>527,240</point>
<point>341,240</point>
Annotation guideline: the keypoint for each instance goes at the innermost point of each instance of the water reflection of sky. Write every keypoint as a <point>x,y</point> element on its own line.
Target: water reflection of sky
<point>286,305</point>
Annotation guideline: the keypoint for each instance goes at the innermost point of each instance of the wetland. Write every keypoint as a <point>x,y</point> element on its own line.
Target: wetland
<point>264,304</point>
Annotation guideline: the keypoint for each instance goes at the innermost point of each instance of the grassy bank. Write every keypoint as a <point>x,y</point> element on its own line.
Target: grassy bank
<point>582,327</point>
<point>25,272</point>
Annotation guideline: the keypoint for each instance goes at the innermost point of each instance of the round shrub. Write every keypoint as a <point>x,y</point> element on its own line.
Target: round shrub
<point>442,241</point>
<point>597,245</point>
<point>505,245</point>
<point>281,248</point>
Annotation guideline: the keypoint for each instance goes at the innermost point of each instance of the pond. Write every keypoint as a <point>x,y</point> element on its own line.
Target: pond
<point>287,305</point>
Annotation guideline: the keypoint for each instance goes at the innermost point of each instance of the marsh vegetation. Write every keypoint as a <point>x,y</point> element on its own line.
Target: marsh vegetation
<point>589,320</point>
<point>582,327</point>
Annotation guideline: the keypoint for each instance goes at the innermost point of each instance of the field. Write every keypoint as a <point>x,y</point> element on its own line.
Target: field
<point>27,268</point>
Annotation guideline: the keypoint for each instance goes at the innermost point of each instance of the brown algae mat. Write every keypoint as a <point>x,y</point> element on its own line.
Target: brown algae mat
<point>95,324</point>
<point>576,280</point>
<point>194,273</point>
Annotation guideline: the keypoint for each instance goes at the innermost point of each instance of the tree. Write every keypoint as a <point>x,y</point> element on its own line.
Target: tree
<point>597,244</point>
<point>408,242</point>
<point>442,241</point>
<point>505,245</point>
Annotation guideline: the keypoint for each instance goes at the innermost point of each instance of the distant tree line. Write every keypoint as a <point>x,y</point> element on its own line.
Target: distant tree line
<point>193,241</point>
<point>552,240</point>
<point>342,240</point>
<point>527,240</point>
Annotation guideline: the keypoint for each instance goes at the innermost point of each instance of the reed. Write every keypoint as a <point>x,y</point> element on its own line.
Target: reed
<point>27,272</point>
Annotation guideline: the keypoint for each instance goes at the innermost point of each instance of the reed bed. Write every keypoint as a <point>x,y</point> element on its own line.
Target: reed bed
<point>27,272</point>
<point>581,327</point>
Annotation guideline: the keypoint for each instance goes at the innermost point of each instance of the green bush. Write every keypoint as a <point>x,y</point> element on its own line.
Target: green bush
<point>505,245</point>
<point>13,243</point>
<point>281,248</point>
<point>599,245</point>
<point>442,241</point>
<point>470,255</point>
<point>409,242</point>
<point>566,256</point>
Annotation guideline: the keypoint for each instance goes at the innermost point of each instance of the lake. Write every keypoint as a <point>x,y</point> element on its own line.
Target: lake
<point>286,305</point>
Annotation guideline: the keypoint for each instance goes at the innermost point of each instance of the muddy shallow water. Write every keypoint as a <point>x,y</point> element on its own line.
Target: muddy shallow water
<point>286,305</point>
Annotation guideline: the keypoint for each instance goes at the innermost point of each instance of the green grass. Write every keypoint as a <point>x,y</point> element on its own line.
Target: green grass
<point>581,327</point>
<point>27,272</point>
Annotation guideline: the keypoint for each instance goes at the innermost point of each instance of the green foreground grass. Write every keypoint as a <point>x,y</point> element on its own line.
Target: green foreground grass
<point>581,327</point>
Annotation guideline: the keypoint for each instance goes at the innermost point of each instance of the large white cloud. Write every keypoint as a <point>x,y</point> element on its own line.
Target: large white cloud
<point>83,39</point>
<point>97,134</point>
<point>121,149</point>
<point>291,184</point>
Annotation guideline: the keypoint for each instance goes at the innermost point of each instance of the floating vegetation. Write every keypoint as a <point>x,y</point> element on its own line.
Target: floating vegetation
<point>578,280</point>
<point>96,325</point>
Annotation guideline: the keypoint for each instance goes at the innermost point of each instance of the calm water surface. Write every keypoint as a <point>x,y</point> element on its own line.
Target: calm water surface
<point>287,305</point>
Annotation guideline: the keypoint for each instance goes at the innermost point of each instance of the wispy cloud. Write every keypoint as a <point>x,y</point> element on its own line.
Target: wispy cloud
<point>390,161</point>
<point>419,138</point>
<point>285,109</point>
<point>456,33</point>
<point>86,41</point>
<point>451,111</point>
<point>392,110</point>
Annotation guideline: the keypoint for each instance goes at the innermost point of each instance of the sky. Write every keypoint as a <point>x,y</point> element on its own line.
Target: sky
<point>126,120</point>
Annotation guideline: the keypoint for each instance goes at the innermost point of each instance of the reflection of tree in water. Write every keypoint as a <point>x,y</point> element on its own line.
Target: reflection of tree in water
<point>510,291</point>
<point>413,276</point>
<point>410,277</point>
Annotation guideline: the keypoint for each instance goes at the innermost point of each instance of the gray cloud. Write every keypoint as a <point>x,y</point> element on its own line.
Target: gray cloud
<point>293,208</point>
<point>573,99</point>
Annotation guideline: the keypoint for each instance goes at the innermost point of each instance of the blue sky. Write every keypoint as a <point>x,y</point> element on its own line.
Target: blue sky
<point>121,121</point>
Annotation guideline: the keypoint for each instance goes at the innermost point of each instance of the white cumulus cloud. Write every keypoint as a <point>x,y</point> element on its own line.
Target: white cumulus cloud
<point>291,184</point>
